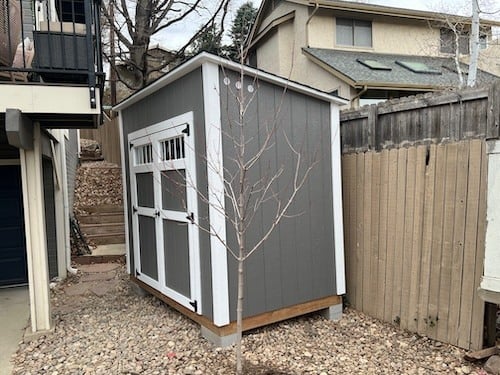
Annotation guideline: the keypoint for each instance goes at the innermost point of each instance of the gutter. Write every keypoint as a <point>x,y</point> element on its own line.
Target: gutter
<point>358,95</point>
<point>316,7</point>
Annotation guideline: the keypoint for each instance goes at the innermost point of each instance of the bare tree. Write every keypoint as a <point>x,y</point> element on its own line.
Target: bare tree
<point>135,22</point>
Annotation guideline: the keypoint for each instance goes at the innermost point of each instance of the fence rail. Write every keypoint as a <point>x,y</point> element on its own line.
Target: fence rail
<point>414,232</point>
<point>425,119</point>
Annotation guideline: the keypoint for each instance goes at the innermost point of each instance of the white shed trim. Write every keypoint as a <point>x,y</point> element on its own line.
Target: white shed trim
<point>124,192</point>
<point>337,199</point>
<point>216,196</point>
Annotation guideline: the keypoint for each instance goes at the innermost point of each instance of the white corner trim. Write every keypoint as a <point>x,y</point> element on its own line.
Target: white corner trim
<point>215,176</point>
<point>124,191</point>
<point>338,221</point>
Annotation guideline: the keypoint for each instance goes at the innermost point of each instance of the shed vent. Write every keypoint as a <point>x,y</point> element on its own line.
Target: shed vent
<point>173,149</point>
<point>144,154</point>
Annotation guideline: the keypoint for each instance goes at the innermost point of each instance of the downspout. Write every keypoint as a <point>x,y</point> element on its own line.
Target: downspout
<point>316,7</point>
<point>358,95</point>
<point>70,269</point>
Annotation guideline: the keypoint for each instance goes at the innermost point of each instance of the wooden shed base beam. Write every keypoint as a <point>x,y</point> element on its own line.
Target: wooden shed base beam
<point>331,307</point>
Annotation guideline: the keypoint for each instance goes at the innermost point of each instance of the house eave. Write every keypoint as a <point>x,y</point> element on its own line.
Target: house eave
<point>203,58</point>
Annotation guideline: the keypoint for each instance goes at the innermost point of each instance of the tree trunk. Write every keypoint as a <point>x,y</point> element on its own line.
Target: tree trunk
<point>239,315</point>
<point>474,45</point>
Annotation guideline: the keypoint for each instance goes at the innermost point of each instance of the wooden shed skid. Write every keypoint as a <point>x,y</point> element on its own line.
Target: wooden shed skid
<point>249,323</point>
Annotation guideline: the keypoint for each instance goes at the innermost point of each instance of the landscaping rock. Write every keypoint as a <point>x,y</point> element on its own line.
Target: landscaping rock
<point>492,365</point>
<point>118,332</point>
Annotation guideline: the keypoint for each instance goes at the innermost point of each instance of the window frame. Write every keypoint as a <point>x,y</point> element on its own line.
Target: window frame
<point>355,25</point>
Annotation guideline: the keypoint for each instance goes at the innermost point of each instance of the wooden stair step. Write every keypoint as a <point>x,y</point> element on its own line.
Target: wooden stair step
<point>103,228</point>
<point>108,238</point>
<point>104,208</point>
<point>101,218</point>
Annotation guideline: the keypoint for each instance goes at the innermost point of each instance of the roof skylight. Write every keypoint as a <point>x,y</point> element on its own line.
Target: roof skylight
<point>418,67</point>
<point>374,64</point>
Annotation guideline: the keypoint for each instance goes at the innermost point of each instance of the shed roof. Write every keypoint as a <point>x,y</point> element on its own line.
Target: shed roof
<point>388,70</point>
<point>205,57</point>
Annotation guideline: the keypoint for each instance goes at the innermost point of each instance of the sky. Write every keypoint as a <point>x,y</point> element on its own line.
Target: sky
<point>181,33</point>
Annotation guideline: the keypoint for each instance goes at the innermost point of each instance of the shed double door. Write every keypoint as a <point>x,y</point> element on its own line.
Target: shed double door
<point>164,210</point>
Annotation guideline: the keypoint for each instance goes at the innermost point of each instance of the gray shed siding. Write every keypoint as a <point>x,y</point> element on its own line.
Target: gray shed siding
<point>297,263</point>
<point>179,97</point>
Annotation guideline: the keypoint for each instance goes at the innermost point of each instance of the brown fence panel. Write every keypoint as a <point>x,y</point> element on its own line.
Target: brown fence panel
<point>414,233</point>
<point>108,137</point>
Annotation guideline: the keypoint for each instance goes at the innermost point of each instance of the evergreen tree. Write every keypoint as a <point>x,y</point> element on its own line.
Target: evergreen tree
<point>242,24</point>
<point>207,41</point>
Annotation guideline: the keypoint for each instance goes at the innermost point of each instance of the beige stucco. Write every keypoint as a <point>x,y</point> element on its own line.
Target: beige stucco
<point>396,38</point>
<point>405,39</point>
<point>489,59</point>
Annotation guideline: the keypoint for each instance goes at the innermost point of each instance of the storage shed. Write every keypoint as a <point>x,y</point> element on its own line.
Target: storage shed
<point>177,157</point>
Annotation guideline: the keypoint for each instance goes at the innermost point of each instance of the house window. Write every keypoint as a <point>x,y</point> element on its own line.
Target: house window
<point>448,42</point>
<point>354,32</point>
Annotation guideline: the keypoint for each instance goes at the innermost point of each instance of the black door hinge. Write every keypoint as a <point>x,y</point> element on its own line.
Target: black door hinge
<point>157,213</point>
<point>190,217</point>
<point>195,305</point>
<point>137,273</point>
<point>131,145</point>
<point>186,130</point>
<point>134,209</point>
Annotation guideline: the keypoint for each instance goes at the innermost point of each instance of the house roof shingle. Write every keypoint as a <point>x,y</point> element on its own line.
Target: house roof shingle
<point>348,64</point>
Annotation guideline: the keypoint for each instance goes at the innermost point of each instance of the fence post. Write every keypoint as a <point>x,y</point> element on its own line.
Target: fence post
<point>372,127</point>
<point>493,120</point>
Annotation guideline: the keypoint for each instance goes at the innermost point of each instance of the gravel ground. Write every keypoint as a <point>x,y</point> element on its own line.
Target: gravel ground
<point>122,333</point>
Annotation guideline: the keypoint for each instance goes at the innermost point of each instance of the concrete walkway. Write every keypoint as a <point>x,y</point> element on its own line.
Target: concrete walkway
<point>14,315</point>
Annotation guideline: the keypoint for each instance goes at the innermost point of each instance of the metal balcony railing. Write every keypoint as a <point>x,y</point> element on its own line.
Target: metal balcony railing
<point>51,41</point>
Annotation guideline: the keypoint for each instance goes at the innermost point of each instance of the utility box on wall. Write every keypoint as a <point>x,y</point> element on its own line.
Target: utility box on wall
<point>490,283</point>
<point>179,158</point>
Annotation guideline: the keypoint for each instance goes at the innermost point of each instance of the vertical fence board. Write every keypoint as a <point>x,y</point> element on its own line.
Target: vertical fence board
<point>391,228</point>
<point>447,243</point>
<point>458,242</point>
<point>437,239</point>
<point>360,184</point>
<point>430,176</point>
<point>382,259</point>
<point>375,230</point>
<point>416,246</point>
<point>366,233</point>
<point>399,235</point>
<point>408,234</point>
<point>470,243</point>
<point>349,167</point>
<point>478,305</point>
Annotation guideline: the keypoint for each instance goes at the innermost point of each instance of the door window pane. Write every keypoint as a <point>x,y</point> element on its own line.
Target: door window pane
<point>145,190</point>
<point>173,190</point>
<point>176,247</point>
<point>147,244</point>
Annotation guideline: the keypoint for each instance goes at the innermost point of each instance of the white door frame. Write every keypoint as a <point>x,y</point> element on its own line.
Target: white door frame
<point>178,126</point>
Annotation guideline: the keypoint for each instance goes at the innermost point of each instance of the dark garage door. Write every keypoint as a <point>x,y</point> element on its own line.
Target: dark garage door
<point>12,244</point>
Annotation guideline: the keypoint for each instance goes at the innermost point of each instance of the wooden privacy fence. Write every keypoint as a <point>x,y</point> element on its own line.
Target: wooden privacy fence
<point>414,233</point>
<point>414,183</point>
<point>108,136</point>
